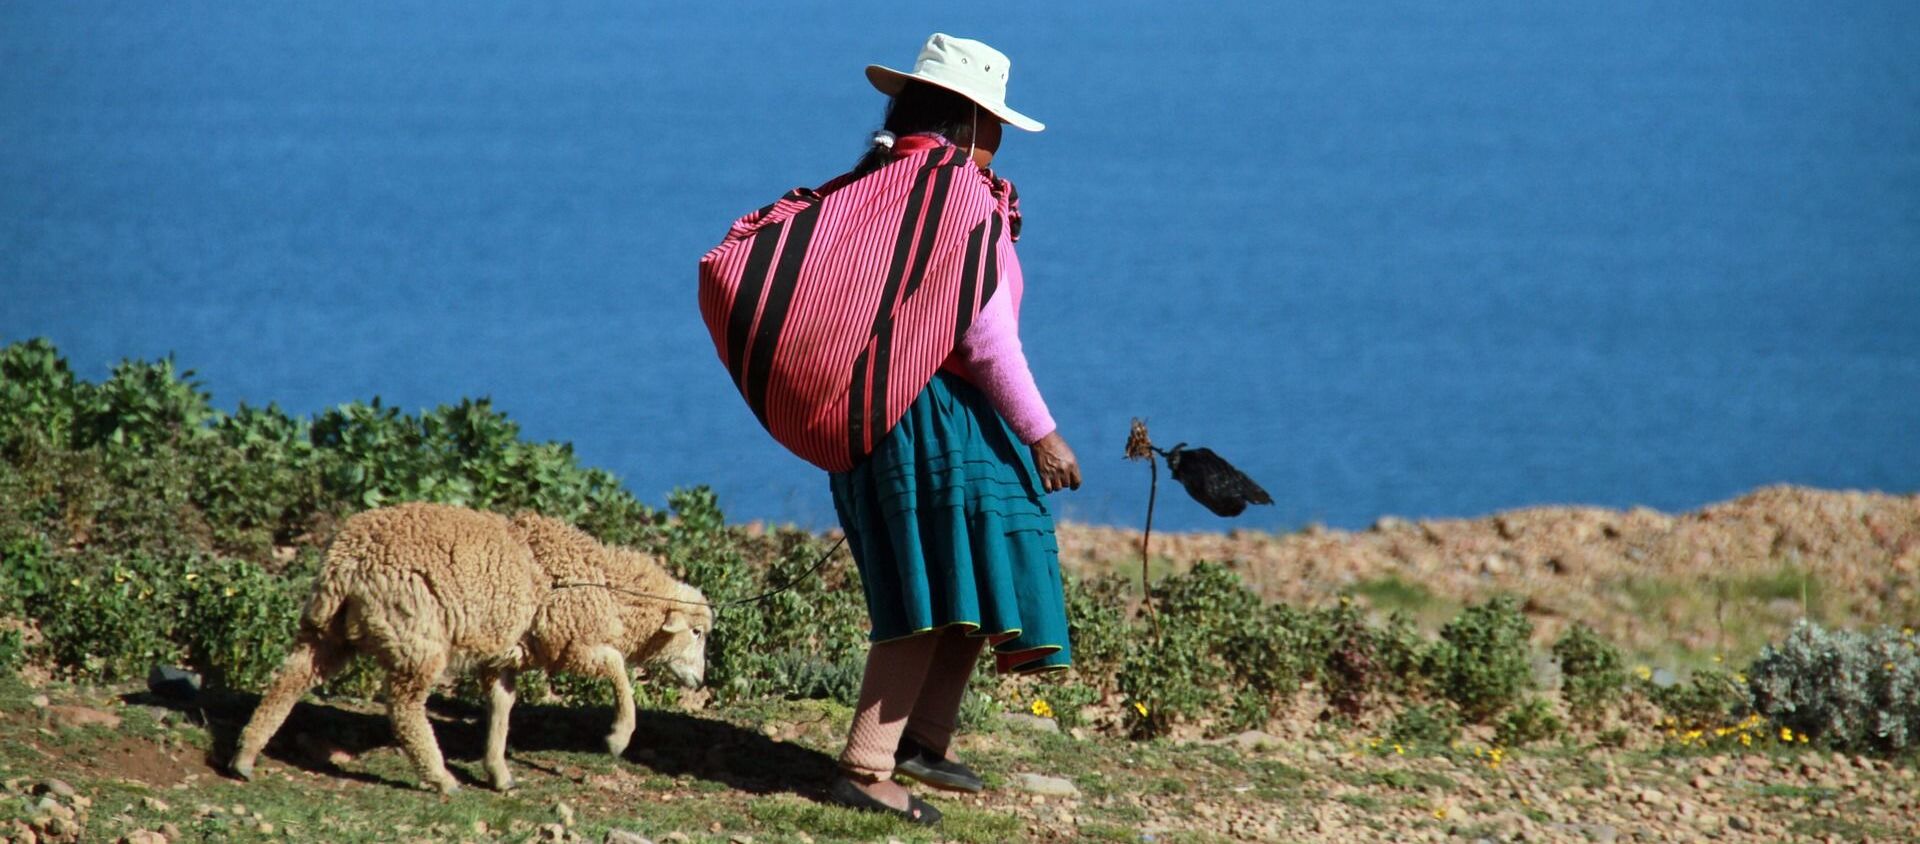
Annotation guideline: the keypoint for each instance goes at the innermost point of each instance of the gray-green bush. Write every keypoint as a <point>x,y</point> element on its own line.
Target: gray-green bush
<point>1856,691</point>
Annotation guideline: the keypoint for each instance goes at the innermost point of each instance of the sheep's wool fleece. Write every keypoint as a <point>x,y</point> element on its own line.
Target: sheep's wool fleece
<point>430,575</point>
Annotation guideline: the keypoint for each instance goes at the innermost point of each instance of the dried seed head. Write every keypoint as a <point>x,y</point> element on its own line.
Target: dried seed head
<point>1138,446</point>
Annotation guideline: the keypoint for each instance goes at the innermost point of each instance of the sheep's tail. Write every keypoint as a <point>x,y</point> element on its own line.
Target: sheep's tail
<point>325,616</point>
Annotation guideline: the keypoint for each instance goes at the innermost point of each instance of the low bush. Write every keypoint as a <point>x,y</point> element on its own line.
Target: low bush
<point>1708,699</point>
<point>1481,661</point>
<point>1425,725</point>
<point>1527,722</point>
<point>1592,674</point>
<point>1854,691</point>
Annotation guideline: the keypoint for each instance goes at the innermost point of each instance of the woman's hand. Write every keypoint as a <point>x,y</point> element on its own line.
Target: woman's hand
<point>1059,469</point>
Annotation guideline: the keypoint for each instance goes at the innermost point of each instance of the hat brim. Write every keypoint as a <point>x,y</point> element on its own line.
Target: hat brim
<point>889,81</point>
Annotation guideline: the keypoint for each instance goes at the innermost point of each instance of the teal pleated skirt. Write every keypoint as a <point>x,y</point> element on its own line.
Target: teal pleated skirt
<point>949,525</point>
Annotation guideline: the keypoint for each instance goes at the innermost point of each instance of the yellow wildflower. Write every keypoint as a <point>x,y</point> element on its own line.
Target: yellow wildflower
<point>1803,738</point>
<point>1041,708</point>
<point>1643,672</point>
<point>1398,750</point>
<point>1140,708</point>
<point>1740,678</point>
<point>1718,658</point>
<point>192,577</point>
<point>1746,739</point>
<point>1786,734</point>
<point>1440,813</point>
<point>1887,667</point>
<point>229,591</point>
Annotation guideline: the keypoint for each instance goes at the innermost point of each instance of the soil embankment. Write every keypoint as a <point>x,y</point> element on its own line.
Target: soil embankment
<point>1723,577</point>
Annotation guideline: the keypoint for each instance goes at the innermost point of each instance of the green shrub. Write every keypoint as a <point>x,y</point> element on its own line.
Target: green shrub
<point>1427,725</point>
<point>1067,698</point>
<point>1855,691</point>
<point>39,397</point>
<point>1591,673</point>
<point>1709,698</point>
<point>1480,662</point>
<point>1530,721</point>
<point>13,651</point>
<point>240,620</point>
<point>109,617</point>
<point>1176,679</point>
<point>1097,625</point>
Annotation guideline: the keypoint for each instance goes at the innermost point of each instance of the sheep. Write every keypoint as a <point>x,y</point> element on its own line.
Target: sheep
<point>425,587</point>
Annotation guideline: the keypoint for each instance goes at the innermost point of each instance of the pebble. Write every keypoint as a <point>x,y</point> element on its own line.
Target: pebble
<point>40,701</point>
<point>144,836</point>
<point>78,717</point>
<point>676,836</point>
<point>621,836</point>
<point>565,812</point>
<point>57,788</point>
<point>155,804</point>
<point>1256,740</point>
<point>1045,786</point>
<point>1031,722</point>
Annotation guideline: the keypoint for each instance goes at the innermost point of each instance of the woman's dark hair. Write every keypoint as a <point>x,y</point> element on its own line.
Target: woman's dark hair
<point>920,107</point>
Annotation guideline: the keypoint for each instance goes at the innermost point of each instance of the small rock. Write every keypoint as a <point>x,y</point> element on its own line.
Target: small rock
<point>480,827</point>
<point>676,836</point>
<point>171,832</point>
<point>553,832</point>
<point>155,804</point>
<point>1651,797</point>
<point>565,812</point>
<point>40,701</point>
<point>77,717</point>
<point>144,836</point>
<point>1031,722</point>
<point>740,838</point>
<point>173,683</point>
<point>57,788</point>
<point>1255,741</point>
<point>1739,823</point>
<point>264,828</point>
<point>621,836</point>
<point>1045,786</point>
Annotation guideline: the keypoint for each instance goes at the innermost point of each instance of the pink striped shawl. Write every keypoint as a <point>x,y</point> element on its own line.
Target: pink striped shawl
<point>832,308</point>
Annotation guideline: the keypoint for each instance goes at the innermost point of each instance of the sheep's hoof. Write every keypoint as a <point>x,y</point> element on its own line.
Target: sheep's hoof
<point>617,744</point>
<point>446,785</point>
<point>242,769</point>
<point>502,781</point>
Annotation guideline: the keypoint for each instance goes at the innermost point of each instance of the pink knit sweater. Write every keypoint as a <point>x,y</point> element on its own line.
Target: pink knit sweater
<point>990,357</point>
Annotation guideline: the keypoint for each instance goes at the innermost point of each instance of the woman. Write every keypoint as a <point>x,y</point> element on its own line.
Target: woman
<point>872,326</point>
<point>946,516</point>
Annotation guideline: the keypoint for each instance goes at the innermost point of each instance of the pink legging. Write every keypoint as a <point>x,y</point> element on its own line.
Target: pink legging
<point>912,686</point>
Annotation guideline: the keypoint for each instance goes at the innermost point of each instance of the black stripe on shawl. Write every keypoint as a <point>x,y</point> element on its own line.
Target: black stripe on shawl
<point>992,280</point>
<point>746,303</point>
<point>883,329</point>
<point>861,398</point>
<point>786,278</point>
<point>969,282</point>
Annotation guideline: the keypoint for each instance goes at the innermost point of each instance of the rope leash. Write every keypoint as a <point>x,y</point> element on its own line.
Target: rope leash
<point>817,565</point>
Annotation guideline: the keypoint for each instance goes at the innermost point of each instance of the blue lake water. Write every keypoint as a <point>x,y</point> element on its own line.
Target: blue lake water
<point>1412,258</point>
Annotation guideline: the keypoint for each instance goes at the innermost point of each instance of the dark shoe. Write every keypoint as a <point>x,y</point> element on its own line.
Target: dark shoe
<point>915,760</point>
<point>918,811</point>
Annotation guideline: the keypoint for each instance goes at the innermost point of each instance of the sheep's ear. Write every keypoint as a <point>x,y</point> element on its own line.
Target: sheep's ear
<point>676,623</point>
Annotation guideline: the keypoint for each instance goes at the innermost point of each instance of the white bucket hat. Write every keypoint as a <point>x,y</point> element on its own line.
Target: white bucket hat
<point>963,66</point>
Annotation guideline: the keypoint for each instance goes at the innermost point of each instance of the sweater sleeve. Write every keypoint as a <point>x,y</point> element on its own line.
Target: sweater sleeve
<point>992,354</point>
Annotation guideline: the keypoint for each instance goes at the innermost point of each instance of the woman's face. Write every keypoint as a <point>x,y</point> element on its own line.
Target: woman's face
<point>986,139</point>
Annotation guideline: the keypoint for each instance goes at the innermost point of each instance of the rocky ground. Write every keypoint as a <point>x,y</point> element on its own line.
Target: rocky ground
<point>1724,578</point>
<point>80,764</point>
<point>84,765</point>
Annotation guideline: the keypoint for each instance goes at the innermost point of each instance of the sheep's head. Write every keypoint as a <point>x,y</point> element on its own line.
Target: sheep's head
<point>681,645</point>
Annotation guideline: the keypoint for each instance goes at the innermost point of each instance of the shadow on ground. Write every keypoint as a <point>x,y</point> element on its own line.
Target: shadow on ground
<point>668,743</point>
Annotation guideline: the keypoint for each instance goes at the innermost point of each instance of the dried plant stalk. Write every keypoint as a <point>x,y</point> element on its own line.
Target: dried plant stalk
<point>1140,447</point>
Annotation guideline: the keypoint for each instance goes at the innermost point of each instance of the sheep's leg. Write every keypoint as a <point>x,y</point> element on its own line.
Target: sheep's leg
<point>408,686</point>
<point>311,661</point>
<point>500,692</point>
<point>613,665</point>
